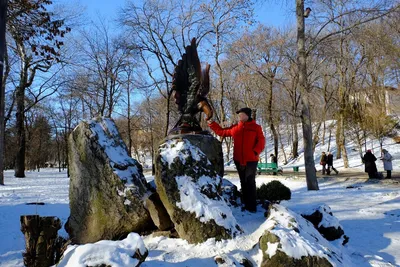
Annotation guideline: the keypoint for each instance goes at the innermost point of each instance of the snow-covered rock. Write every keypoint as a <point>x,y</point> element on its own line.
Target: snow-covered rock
<point>293,241</point>
<point>107,186</point>
<point>324,221</point>
<point>188,179</point>
<point>230,193</point>
<point>130,251</point>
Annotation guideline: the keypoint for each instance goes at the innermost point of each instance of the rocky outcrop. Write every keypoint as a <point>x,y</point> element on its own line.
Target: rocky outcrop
<point>188,180</point>
<point>107,187</point>
<point>292,241</point>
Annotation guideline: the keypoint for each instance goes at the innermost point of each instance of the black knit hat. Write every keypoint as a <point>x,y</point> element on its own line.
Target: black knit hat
<point>246,110</point>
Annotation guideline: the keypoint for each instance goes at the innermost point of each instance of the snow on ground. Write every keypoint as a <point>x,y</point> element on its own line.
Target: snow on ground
<point>116,253</point>
<point>369,213</point>
<point>48,186</point>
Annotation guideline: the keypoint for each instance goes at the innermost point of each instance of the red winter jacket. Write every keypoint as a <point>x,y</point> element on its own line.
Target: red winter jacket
<point>248,140</point>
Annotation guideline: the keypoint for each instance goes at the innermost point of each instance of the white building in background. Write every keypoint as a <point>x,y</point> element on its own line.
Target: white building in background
<point>392,101</point>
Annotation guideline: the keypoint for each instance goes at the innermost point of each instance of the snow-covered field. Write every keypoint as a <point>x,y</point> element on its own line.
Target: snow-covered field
<point>369,213</point>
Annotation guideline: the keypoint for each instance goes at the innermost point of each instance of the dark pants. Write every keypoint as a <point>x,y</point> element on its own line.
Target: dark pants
<point>328,171</point>
<point>247,175</point>
<point>323,168</point>
<point>389,174</point>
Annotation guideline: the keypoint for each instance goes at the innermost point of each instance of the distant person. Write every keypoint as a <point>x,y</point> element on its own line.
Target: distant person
<point>249,142</point>
<point>370,166</point>
<point>323,161</point>
<point>329,162</point>
<point>387,163</point>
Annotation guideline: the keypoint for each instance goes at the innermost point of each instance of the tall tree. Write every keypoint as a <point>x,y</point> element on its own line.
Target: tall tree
<point>3,15</point>
<point>311,177</point>
<point>36,37</point>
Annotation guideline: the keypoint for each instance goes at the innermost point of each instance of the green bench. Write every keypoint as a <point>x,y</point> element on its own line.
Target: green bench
<point>268,168</point>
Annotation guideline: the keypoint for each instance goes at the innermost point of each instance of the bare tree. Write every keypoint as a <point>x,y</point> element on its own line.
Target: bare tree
<point>102,60</point>
<point>3,16</point>
<point>161,30</point>
<point>37,43</point>
<point>312,183</point>
<point>261,52</point>
<point>222,19</point>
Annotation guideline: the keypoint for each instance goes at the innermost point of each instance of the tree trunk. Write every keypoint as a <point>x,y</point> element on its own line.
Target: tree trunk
<point>282,147</point>
<point>316,136</point>
<point>129,119</point>
<point>359,144</point>
<point>329,139</point>
<point>3,47</point>
<point>153,169</point>
<point>345,158</point>
<point>266,140</point>
<point>276,140</point>
<point>271,119</point>
<point>220,78</point>
<point>40,239</point>
<point>58,148</point>
<point>167,115</point>
<point>338,137</point>
<point>66,135</point>
<point>365,140</point>
<point>21,142</point>
<point>311,177</point>
<point>295,151</point>
<point>228,145</point>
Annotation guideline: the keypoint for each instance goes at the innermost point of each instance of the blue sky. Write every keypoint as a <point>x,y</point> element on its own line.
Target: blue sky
<point>270,12</point>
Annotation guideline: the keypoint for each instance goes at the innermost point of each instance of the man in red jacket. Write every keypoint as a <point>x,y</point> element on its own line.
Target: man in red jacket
<point>249,142</point>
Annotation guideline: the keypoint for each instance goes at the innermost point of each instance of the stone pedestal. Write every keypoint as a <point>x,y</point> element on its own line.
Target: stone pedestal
<point>189,171</point>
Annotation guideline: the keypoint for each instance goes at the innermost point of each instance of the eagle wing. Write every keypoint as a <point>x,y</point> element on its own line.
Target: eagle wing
<point>187,80</point>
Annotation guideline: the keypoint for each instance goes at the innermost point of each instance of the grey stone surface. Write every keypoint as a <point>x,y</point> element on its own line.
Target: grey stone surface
<point>107,187</point>
<point>331,228</point>
<point>195,161</point>
<point>158,213</point>
<point>279,242</point>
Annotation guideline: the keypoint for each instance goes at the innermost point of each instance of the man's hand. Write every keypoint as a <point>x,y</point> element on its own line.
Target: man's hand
<point>205,107</point>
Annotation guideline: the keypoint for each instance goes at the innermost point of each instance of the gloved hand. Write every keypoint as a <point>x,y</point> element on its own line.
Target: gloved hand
<point>205,107</point>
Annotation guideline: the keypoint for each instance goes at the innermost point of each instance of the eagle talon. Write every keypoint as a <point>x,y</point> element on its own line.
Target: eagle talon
<point>206,109</point>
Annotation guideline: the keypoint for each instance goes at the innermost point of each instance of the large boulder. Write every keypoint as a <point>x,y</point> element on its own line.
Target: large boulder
<point>107,187</point>
<point>189,170</point>
<point>292,241</point>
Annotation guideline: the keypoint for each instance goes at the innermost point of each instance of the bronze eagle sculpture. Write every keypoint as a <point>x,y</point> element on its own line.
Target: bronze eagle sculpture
<point>190,86</point>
